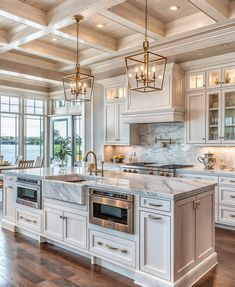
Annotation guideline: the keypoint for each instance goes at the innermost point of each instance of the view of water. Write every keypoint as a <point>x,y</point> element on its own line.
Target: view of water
<point>8,151</point>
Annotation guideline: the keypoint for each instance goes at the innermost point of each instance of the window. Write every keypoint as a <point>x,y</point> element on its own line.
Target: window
<point>59,104</point>
<point>34,128</point>
<point>60,128</point>
<point>78,140</point>
<point>9,127</point>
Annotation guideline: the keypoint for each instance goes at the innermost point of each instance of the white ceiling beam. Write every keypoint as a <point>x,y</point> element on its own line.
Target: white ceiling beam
<point>23,13</point>
<point>216,9</point>
<point>52,52</point>
<point>89,38</point>
<point>62,15</point>
<point>133,18</point>
<point>29,72</point>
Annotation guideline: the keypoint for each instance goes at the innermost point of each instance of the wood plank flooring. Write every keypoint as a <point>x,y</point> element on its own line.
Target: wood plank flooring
<point>23,263</point>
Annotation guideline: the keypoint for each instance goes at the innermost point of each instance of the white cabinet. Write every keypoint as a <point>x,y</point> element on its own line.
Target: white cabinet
<point>155,247</point>
<point>9,199</point>
<point>115,131</point>
<point>65,226</point>
<point>196,117</point>
<point>29,219</point>
<point>195,81</point>
<point>221,77</point>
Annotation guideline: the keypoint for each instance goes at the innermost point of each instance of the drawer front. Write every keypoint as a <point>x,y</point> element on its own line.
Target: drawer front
<point>28,220</point>
<point>154,203</point>
<point>198,176</point>
<point>227,195</point>
<point>113,248</point>
<point>227,180</point>
<point>227,215</point>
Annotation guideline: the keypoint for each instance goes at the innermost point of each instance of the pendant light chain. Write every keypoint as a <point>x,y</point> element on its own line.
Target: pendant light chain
<point>78,42</point>
<point>146,21</point>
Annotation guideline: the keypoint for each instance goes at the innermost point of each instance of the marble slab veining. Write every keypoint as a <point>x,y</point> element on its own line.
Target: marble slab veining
<point>165,187</point>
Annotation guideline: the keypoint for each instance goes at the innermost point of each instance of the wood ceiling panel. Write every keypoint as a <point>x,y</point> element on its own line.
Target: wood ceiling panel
<point>7,24</point>
<point>110,28</point>
<point>44,5</point>
<point>160,8</point>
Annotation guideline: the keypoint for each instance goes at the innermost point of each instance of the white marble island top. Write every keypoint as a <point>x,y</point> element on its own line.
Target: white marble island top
<point>165,187</point>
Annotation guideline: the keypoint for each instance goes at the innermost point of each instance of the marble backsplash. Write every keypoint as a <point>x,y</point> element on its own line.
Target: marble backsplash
<point>178,152</point>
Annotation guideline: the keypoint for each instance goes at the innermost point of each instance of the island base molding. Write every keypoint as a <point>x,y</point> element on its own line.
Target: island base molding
<point>187,280</point>
<point>8,225</point>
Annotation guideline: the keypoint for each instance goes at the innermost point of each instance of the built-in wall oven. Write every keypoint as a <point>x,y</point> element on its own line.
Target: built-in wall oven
<point>112,210</point>
<point>29,192</point>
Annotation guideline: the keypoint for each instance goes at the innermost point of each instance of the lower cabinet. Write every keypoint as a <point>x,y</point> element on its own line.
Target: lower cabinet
<point>68,227</point>
<point>9,199</point>
<point>29,219</point>
<point>155,244</point>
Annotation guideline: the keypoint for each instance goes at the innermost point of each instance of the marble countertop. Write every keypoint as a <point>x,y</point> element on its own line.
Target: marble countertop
<point>165,187</point>
<point>202,171</point>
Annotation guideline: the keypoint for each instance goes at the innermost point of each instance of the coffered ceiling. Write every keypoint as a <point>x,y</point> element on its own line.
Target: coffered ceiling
<point>38,38</point>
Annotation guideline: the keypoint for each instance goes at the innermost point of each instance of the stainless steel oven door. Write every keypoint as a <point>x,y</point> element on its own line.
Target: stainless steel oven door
<point>111,213</point>
<point>29,195</point>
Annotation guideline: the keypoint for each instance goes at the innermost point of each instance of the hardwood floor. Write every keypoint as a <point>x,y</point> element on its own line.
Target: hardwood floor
<point>23,263</point>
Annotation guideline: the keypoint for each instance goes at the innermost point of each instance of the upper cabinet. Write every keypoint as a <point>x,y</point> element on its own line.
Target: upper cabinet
<point>223,77</point>
<point>195,81</point>
<point>115,93</point>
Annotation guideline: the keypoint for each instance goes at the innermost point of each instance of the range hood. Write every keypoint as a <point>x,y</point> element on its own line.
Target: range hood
<point>163,116</point>
<point>162,106</point>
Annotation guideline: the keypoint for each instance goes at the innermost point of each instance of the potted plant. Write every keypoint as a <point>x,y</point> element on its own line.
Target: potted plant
<point>62,148</point>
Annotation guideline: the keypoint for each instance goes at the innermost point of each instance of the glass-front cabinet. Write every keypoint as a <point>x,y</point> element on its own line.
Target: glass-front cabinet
<point>115,93</point>
<point>217,78</point>
<point>213,127</point>
<point>228,119</point>
<point>196,81</point>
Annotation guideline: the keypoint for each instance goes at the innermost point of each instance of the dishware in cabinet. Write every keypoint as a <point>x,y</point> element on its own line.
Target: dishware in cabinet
<point>196,81</point>
<point>222,77</point>
<point>228,116</point>
<point>213,117</point>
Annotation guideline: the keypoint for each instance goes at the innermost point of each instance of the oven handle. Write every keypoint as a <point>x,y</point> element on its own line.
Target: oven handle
<point>110,201</point>
<point>25,185</point>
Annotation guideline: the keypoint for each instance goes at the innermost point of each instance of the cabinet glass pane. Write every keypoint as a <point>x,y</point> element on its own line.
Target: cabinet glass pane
<point>214,116</point>
<point>200,81</point>
<point>229,76</point>
<point>214,78</point>
<point>229,116</point>
<point>193,82</point>
<point>196,81</point>
<point>115,93</point>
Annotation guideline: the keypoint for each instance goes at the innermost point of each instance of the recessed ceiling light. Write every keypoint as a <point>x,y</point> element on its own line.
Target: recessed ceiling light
<point>174,8</point>
<point>54,39</point>
<point>99,25</point>
<point>200,54</point>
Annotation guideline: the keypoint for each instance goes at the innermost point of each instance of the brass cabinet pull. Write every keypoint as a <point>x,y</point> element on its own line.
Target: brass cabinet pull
<point>111,247</point>
<point>232,196</point>
<point>124,251</point>
<point>21,217</point>
<point>61,217</point>
<point>196,204</point>
<point>154,217</point>
<point>232,215</point>
<point>64,217</point>
<point>99,243</point>
<point>28,220</point>
<point>155,204</point>
<point>34,221</point>
<point>232,181</point>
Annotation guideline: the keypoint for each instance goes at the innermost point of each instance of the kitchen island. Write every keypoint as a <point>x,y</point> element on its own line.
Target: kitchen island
<point>170,241</point>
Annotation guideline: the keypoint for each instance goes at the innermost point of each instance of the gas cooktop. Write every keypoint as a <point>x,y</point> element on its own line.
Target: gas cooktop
<point>157,165</point>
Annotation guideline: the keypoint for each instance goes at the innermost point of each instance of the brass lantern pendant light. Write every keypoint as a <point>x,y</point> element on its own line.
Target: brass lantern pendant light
<point>146,70</point>
<point>78,87</point>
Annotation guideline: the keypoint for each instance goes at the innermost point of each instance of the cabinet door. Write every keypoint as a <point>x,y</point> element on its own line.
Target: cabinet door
<point>75,228</point>
<point>196,81</point>
<point>213,117</point>
<point>204,225</point>
<point>228,116</point>
<point>228,76</point>
<point>9,199</point>
<point>185,243</point>
<point>196,118</point>
<point>214,79</point>
<point>155,244</point>
<point>123,130</point>
<point>53,223</point>
<point>110,123</point>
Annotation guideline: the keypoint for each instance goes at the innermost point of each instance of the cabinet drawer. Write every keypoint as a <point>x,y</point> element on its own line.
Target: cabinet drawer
<point>113,248</point>
<point>227,195</point>
<point>154,203</point>
<point>227,215</point>
<point>227,180</point>
<point>28,220</point>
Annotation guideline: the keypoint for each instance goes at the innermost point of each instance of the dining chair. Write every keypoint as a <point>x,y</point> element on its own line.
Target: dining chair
<point>18,159</point>
<point>26,163</point>
<point>39,161</point>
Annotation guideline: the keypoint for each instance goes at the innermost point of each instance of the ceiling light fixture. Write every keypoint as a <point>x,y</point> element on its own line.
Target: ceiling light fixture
<point>146,70</point>
<point>78,87</point>
<point>174,8</point>
<point>54,39</point>
<point>100,25</point>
